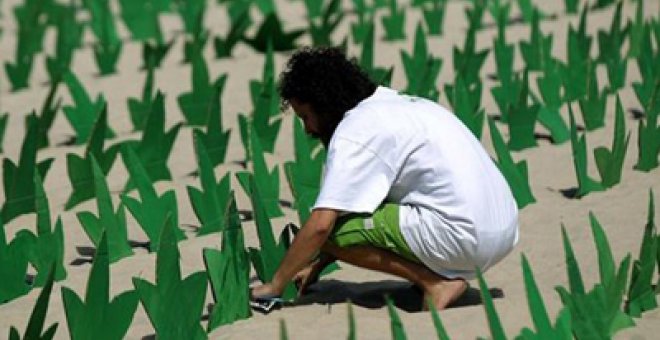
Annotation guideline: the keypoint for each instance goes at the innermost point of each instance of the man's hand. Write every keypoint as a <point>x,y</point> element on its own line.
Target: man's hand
<point>265,290</point>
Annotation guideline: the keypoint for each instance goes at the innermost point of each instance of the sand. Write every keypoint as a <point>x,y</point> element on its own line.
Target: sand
<point>621,210</point>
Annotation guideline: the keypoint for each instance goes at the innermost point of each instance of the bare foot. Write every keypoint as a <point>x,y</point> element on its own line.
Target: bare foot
<point>443,292</point>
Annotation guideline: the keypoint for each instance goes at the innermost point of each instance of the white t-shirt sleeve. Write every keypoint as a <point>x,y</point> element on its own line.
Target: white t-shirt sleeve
<point>356,178</point>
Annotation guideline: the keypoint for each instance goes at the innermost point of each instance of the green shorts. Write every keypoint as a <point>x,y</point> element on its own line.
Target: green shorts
<point>380,230</point>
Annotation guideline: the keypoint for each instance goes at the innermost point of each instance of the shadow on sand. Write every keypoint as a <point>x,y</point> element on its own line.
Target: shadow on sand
<point>404,295</point>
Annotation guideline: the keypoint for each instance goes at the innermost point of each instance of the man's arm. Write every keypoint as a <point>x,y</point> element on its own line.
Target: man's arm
<point>305,246</point>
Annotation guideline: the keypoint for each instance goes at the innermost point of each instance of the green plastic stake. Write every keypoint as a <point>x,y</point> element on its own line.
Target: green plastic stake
<point>579,150</point>
<point>13,266</point>
<point>210,203</point>
<point>648,63</point>
<point>34,328</point>
<point>109,223</point>
<point>549,116</point>
<point>108,46</point>
<point>538,51</point>
<point>542,324</point>
<point>30,38</point>
<point>139,108</point>
<point>500,10</point>
<point>272,30</point>
<point>80,168</point>
<point>610,161</point>
<point>434,16</point>
<point>509,87</point>
<point>46,249</point>
<point>610,42</point>
<point>3,128</point>
<point>304,174</point>
<point>641,295</point>
<point>151,210</point>
<point>606,266</point>
<point>515,173</point>
<point>394,22</point>
<point>267,258</point>
<point>593,105</point>
<point>195,105</point>
<point>215,139</point>
<point>321,29</point>
<point>69,33</point>
<point>421,68</point>
<point>266,180</point>
<point>352,325</point>
<point>18,179</point>
<point>616,74</point>
<point>174,305</point>
<point>494,323</point>
<point>466,103</point>
<point>97,317</point>
<point>437,323</point>
<point>266,7</point>
<point>468,62</point>
<point>49,109</point>
<point>228,270</point>
<point>240,22</point>
<point>396,326</point>
<point>84,112</point>
<point>156,145</point>
<point>379,75</point>
<point>365,19</point>
<point>314,9</point>
<point>192,14</point>
<point>522,118</point>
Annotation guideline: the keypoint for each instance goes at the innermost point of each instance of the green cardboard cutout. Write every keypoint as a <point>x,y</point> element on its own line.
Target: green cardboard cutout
<point>421,68</point>
<point>228,270</point>
<point>215,139</point>
<point>196,104</point>
<point>610,42</point>
<point>593,105</point>
<point>505,93</point>
<point>109,223</point>
<point>38,316</point>
<point>151,209</point>
<point>69,34</point>
<point>210,203</point>
<point>266,180</point>
<point>13,266</point>
<point>648,94</point>
<point>515,173</point>
<point>321,29</point>
<point>18,180</point>
<point>579,147</point>
<point>174,306</point>
<point>575,73</point>
<point>156,145</point>
<point>641,293</point>
<point>466,104</point>
<point>538,51</point>
<point>46,248</point>
<point>84,112</point>
<point>434,17</point>
<point>272,30</point>
<point>108,46</point>
<point>80,168</point>
<point>3,128</point>
<point>609,162</point>
<point>379,75</point>
<point>549,116</point>
<point>396,326</point>
<point>468,62</point>
<point>139,108</point>
<point>304,174</point>
<point>240,22</point>
<point>267,258</point>
<point>49,108</point>
<point>521,118</point>
<point>97,317</point>
<point>636,31</point>
<point>394,22</point>
<point>596,312</point>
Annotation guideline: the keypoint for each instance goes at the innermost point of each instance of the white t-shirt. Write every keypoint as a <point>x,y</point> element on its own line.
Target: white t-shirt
<point>457,211</point>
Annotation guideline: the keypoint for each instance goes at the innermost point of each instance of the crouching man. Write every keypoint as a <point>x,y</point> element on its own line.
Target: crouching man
<point>407,190</point>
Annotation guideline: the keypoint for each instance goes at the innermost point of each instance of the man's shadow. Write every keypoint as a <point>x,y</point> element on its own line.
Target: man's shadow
<point>404,295</point>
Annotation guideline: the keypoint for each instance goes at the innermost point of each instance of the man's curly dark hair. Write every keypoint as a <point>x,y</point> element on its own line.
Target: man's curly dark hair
<point>326,80</point>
